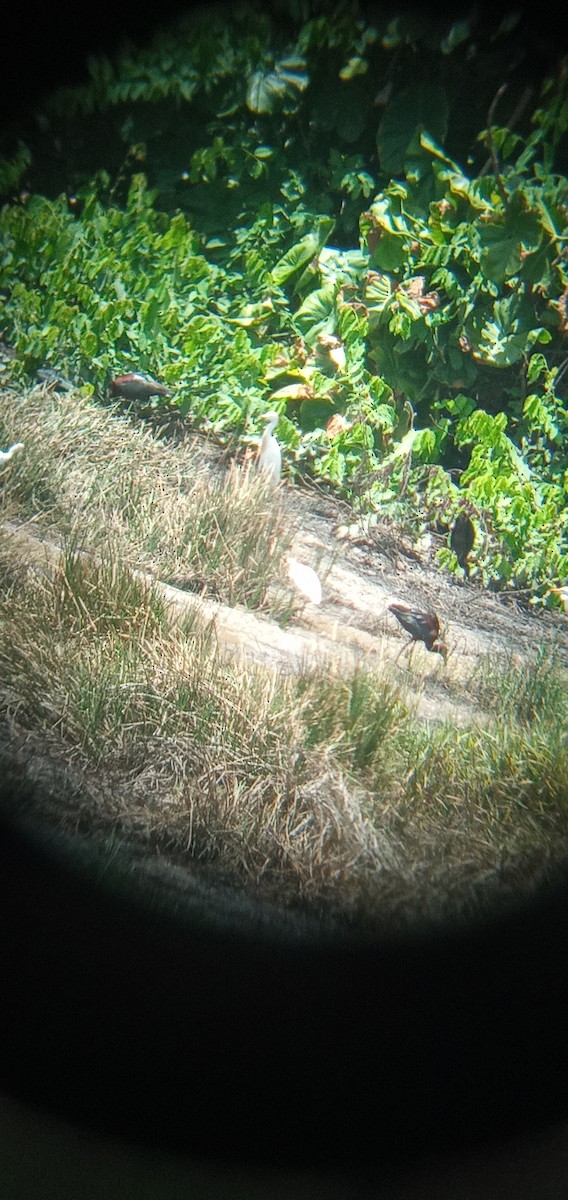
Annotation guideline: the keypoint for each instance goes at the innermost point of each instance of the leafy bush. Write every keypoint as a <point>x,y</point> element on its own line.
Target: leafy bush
<point>306,236</point>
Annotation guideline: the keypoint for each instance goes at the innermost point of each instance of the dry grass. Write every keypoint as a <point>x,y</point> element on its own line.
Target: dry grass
<point>321,785</point>
<point>213,753</point>
<point>88,471</point>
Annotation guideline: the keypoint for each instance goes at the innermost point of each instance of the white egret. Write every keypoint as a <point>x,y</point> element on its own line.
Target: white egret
<point>305,580</point>
<point>270,456</point>
<point>6,455</point>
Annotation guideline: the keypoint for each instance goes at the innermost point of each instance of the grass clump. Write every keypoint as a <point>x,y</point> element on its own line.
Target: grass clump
<point>211,756</point>
<point>83,467</point>
<point>525,692</point>
<point>357,715</point>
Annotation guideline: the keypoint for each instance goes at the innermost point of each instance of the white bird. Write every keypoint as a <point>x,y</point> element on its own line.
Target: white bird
<point>270,456</point>
<point>6,455</point>
<point>305,580</point>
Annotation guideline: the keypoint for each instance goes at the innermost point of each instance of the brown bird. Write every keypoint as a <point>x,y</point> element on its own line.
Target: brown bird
<point>136,386</point>
<point>422,627</point>
<point>462,538</point>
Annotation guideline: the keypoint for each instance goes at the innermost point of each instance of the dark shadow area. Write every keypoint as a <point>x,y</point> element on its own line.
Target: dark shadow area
<point>307,1052</point>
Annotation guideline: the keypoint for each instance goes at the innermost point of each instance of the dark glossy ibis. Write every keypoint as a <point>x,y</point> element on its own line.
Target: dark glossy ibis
<point>422,627</point>
<point>136,386</point>
<point>462,538</point>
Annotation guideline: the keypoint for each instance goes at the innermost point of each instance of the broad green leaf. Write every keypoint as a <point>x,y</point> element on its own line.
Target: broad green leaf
<point>504,242</point>
<point>425,444</point>
<point>292,391</point>
<point>301,254</point>
<point>314,414</point>
<point>355,66</point>
<point>293,70</point>
<point>265,91</point>
<point>459,32</point>
<point>378,292</point>
<point>537,367</point>
<point>421,106</point>
<point>341,266</point>
<point>317,314</point>
<point>391,252</point>
<point>386,212</point>
<point>89,344</point>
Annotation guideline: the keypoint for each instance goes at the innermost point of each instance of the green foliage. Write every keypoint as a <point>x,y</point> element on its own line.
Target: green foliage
<point>434,324</point>
<point>417,107</point>
<point>126,289</point>
<point>12,169</point>
<point>278,88</point>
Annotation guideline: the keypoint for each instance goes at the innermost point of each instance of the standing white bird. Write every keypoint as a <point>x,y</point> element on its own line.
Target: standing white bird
<point>270,456</point>
<point>5,455</point>
<point>305,579</point>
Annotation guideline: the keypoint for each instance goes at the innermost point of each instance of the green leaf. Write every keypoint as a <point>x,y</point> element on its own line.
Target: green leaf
<point>422,106</point>
<point>503,243</point>
<point>537,367</point>
<point>89,344</point>
<point>264,92</point>
<point>317,314</point>
<point>459,32</point>
<point>341,266</point>
<point>379,291</point>
<point>391,252</point>
<point>302,253</point>
<point>292,391</point>
<point>425,445</point>
<point>355,66</point>
<point>293,71</point>
<point>268,90</point>
<point>314,414</point>
<point>511,334</point>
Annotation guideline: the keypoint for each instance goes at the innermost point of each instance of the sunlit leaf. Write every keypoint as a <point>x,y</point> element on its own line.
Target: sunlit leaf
<point>302,253</point>
<point>459,33</point>
<point>317,313</point>
<point>355,66</point>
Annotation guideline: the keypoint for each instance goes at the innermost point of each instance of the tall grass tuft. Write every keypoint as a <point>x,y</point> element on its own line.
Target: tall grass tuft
<point>523,691</point>
<point>85,468</point>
